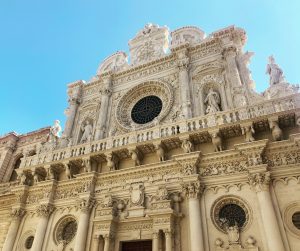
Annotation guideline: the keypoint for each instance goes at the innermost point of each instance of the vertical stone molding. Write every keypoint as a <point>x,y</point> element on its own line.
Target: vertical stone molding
<point>155,241</point>
<point>184,79</point>
<point>102,116</point>
<point>193,191</point>
<point>260,182</point>
<point>6,157</point>
<point>17,215</point>
<point>43,211</point>
<point>85,206</point>
<point>74,92</point>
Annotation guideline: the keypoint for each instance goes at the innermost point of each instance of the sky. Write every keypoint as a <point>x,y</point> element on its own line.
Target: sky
<point>44,45</point>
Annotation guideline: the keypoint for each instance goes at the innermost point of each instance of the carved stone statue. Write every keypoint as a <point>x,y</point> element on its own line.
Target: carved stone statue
<point>275,72</point>
<point>233,234</point>
<point>54,131</point>
<point>87,132</point>
<point>160,152</point>
<point>217,141</point>
<point>248,131</point>
<point>213,101</point>
<point>187,146</point>
<point>276,131</point>
<point>135,156</point>
<point>112,162</point>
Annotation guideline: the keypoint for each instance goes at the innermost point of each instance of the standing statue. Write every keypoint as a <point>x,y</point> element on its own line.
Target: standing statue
<point>275,72</point>
<point>187,146</point>
<point>213,101</point>
<point>87,132</point>
<point>54,131</point>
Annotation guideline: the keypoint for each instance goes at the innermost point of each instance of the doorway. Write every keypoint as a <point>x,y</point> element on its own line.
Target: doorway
<point>136,246</point>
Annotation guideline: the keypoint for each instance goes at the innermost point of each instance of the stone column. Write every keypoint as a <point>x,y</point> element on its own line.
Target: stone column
<point>183,66</point>
<point>260,182</point>
<point>106,238</point>
<point>195,223</point>
<point>96,243</point>
<point>83,224</point>
<point>169,240</point>
<point>43,211</point>
<point>155,241</point>
<point>102,116</point>
<point>17,215</point>
<point>74,92</point>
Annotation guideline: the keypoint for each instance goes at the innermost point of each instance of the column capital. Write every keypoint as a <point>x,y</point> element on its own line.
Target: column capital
<point>45,210</point>
<point>260,181</point>
<point>229,51</point>
<point>17,213</point>
<point>168,232</point>
<point>85,205</point>
<point>183,64</point>
<point>155,234</point>
<point>193,190</point>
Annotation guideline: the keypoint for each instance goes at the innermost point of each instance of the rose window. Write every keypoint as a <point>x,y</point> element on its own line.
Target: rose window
<point>146,109</point>
<point>66,230</point>
<point>230,211</point>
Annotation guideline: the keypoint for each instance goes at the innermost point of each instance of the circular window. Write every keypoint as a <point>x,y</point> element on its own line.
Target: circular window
<point>29,242</point>
<point>146,109</point>
<point>144,106</point>
<point>230,211</point>
<point>232,214</point>
<point>296,219</point>
<point>66,230</point>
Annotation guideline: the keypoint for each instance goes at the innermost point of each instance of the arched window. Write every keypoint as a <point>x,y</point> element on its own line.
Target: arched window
<point>16,165</point>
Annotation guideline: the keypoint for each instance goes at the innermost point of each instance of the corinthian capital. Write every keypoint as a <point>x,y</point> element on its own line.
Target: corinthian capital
<point>193,189</point>
<point>18,213</point>
<point>229,51</point>
<point>260,181</point>
<point>45,210</point>
<point>183,63</point>
<point>86,205</point>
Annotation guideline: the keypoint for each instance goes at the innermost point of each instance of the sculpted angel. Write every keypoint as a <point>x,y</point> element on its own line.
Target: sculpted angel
<point>54,131</point>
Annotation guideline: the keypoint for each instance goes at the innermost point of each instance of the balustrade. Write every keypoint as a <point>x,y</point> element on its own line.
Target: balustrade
<point>160,131</point>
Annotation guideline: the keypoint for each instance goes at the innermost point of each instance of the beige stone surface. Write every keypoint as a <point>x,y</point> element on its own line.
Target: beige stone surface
<point>216,143</point>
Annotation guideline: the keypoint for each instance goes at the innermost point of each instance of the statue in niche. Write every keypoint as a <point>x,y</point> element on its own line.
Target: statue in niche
<point>233,232</point>
<point>275,72</point>
<point>213,101</point>
<point>54,131</point>
<point>87,131</point>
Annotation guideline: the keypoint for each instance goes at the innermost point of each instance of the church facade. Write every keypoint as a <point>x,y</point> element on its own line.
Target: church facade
<point>174,151</point>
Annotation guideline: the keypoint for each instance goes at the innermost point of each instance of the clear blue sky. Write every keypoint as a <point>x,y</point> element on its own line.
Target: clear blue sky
<point>46,44</point>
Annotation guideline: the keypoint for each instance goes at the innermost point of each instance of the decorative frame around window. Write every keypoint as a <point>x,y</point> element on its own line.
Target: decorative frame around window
<point>289,212</point>
<point>65,230</point>
<point>223,205</point>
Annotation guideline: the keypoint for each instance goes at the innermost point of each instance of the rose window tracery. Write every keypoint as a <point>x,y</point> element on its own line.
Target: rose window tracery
<point>230,211</point>
<point>66,230</point>
<point>146,109</point>
<point>144,105</point>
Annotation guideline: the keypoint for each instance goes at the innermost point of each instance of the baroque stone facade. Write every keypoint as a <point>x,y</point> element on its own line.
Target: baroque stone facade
<point>172,151</point>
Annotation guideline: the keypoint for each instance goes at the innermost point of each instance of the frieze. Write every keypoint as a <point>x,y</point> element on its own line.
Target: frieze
<point>135,226</point>
<point>224,168</point>
<point>282,158</point>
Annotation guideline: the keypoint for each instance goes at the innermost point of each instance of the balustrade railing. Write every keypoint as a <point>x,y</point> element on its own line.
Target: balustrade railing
<point>166,130</point>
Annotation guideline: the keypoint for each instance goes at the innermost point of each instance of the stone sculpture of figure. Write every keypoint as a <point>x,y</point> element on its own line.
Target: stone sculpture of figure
<point>160,152</point>
<point>87,132</point>
<point>111,161</point>
<point>186,146</point>
<point>54,131</point>
<point>217,142</point>
<point>276,131</point>
<point>68,172</point>
<point>248,131</point>
<point>36,177</point>
<point>275,72</point>
<point>22,179</point>
<point>135,157</point>
<point>213,101</point>
<point>233,233</point>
